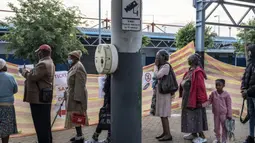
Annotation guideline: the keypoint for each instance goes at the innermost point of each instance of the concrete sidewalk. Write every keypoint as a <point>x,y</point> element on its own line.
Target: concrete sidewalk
<point>151,127</point>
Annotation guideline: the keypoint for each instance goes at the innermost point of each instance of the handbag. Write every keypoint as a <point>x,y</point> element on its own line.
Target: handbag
<point>230,127</point>
<point>79,119</point>
<point>247,117</point>
<point>104,119</point>
<point>168,83</point>
<point>45,94</point>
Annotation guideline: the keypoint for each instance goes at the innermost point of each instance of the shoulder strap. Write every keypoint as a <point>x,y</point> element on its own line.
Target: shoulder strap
<point>170,67</point>
<point>37,84</point>
<point>53,73</point>
<point>52,86</point>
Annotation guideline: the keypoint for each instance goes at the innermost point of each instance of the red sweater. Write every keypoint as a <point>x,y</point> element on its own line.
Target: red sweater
<point>198,94</point>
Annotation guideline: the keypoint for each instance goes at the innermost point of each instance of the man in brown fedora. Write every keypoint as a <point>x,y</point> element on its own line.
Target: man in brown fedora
<point>39,92</point>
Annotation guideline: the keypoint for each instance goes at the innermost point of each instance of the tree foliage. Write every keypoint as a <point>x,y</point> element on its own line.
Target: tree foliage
<point>38,22</point>
<point>245,36</point>
<point>145,41</point>
<point>188,33</point>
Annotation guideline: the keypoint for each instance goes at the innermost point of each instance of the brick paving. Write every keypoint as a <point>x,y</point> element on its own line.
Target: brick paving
<point>151,127</point>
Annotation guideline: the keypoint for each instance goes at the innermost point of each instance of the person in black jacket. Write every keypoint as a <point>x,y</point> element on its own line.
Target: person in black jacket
<point>104,114</point>
<point>248,90</point>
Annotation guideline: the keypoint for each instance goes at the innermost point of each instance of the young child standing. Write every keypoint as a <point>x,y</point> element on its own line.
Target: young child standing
<point>221,108</point>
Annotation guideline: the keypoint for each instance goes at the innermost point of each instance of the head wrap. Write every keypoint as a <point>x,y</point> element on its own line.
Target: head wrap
<point>196,60</point>
<point>76,54</point>
<point>164,54</point>
<point>2,63</point>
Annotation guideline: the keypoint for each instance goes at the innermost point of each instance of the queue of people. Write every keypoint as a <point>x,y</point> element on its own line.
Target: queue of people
<point>39,93</point>
<point>192,90</point>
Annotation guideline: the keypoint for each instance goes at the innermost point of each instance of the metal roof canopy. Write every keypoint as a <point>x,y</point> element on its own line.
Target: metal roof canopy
<point>202,5</point>
<point>249,4</point>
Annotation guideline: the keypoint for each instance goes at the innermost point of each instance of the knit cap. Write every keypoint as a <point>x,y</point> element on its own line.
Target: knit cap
<point>2,63</point>
<point>76,54</point>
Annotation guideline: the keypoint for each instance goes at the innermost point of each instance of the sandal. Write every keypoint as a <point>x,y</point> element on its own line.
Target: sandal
<point>166,139</point>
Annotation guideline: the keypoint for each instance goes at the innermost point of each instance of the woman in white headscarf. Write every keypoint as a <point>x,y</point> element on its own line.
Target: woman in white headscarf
<point>8,87</point>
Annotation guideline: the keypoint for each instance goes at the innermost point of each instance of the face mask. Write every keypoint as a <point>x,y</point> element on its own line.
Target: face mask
<point>70,62</point>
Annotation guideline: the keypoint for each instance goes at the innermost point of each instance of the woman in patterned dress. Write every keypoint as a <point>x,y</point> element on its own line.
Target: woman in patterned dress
<point>193,93</point>
<point>8,87</point>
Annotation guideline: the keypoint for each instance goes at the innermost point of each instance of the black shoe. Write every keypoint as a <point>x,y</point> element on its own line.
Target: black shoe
<point>72,139</point>
<point>161,136</point>
<point>249,140</point>
<point>78,140</point>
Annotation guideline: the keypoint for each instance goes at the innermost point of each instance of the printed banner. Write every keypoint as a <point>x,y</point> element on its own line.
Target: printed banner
<point>101,80</point>
<point>214,69</point>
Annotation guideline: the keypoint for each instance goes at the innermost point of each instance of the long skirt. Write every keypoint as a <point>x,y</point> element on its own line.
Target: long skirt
<point>194,121</point>
<point>8,125</point>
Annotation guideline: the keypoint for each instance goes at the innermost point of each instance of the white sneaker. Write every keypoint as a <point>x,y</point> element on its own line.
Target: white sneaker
<point>199,140</point>
<point>189,137</point>
<point>216,141</point>
<point>91,141</point>
<point>104,141</point>
<point>195,140</point>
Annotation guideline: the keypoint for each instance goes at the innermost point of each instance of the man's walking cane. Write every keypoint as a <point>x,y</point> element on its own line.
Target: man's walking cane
<point>59,110</point>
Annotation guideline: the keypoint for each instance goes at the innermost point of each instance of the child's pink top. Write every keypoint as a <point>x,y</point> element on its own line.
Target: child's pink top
<point>221,103</point>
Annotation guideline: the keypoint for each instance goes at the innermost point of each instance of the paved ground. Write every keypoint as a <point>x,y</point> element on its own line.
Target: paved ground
<point>151,127</point>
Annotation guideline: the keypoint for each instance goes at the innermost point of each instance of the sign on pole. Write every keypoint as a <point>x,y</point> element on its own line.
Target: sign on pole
<point>131,15</point>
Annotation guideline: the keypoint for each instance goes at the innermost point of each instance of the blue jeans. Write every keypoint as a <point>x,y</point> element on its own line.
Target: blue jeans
<point>251,110</point>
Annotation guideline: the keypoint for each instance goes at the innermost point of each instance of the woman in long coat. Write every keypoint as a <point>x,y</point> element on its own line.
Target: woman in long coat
<point>163,101</point>
<point>193,93</point>
<point>76,95</point>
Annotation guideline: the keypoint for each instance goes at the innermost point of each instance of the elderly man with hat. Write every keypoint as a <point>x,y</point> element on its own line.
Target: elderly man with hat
<point>39,92</point>
<point>76,95</point>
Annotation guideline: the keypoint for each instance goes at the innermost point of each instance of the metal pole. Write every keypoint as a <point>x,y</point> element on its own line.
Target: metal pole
<point>245,47</point>
<point>235,59</point>
<point>100,22</point>
<point>126,81</point>
<point>200,29</point>
<point>218,26</point>
<point>229,31</point>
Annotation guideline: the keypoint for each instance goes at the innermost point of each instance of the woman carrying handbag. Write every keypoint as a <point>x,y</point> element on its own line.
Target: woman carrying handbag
<point>76,96</point>
<point>104,122</point>
<point>165,88</point>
